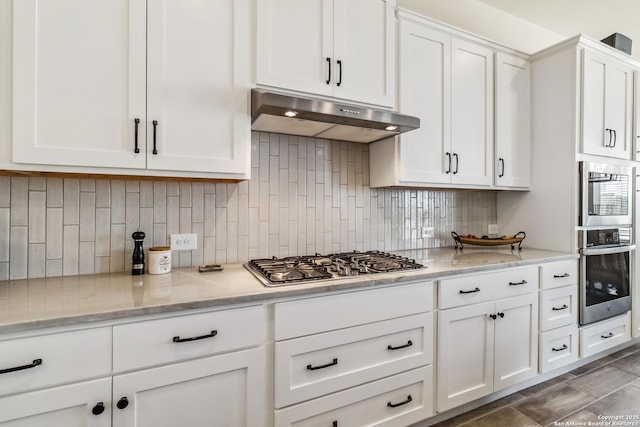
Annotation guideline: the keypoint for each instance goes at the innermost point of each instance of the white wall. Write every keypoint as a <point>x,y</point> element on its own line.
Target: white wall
<point>487,22</point>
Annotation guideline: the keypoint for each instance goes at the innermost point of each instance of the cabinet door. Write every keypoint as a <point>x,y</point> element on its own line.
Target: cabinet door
<point>471,113</point>
<point>513,121</point>
<point>226,390</point>
<point>364,51</point>
<point>69,406</point>
<point>424,85</point>
<point>78,82</point>
<point>465,354</point>
<point>295,45</point>
<point>516,340</point>
<point>635,137</point>
<point>198,84</point>
<point>606,106</point>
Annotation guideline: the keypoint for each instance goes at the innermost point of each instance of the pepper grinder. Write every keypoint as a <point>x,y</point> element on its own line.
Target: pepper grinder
<point>137,260</point>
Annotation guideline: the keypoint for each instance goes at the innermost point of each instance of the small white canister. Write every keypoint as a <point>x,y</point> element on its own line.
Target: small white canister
<point>159,260</point>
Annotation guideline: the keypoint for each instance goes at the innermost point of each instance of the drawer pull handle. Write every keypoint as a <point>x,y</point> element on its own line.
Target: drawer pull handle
<point>98,408</point>
<point>313,368</point>
<point>36,362</point>
<point>523,282</point>
<point>470,292</point>
<point>408,344</point>
<point>609,335</point>
<point>395,405</point>
<point>564,347</point>
<point>123,402</point>
<point>211,335</point>
<point>564,307</point>
<point>560,276</point>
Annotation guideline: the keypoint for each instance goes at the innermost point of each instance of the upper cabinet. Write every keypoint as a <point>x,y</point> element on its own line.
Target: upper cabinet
<point>335,48</point>
<point>607,90</point>
<point>513,121</point>
<point>448,82</point>
<point>132,87</point>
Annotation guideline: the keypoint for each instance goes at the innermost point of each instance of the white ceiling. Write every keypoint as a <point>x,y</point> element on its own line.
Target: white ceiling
<point>594,18</point>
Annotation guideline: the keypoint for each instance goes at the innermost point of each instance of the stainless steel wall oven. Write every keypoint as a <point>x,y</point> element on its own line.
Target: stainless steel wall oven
<point>605,195</point>
<point>605,273</point>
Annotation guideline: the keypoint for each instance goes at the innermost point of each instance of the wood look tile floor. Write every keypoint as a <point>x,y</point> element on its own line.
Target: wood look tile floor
<point>607,386</point>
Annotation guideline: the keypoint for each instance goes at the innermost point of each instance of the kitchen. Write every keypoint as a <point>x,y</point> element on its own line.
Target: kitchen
<point>305,196</point>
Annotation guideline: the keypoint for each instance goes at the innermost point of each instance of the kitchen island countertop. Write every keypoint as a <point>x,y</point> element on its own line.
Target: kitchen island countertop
<point>63,301</point>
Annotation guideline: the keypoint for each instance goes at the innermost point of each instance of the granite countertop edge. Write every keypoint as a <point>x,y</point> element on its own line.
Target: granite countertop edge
<point>251,290</point>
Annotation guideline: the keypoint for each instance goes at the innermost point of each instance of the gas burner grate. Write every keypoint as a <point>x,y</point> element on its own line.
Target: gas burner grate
<point>301,269</point>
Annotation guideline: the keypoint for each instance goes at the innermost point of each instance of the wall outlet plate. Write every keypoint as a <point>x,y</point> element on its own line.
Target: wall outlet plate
<point>492,228</point>
<point>427,232</point>
<point>183,242</point>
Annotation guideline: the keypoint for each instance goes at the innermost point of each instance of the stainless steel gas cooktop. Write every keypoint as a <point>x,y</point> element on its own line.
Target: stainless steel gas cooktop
<point>302,269</point>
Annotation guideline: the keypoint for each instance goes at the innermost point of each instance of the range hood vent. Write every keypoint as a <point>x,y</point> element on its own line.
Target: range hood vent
<point>278,113</point>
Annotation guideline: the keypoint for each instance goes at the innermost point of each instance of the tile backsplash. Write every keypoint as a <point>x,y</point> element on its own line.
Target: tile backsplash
<point>306,195</point>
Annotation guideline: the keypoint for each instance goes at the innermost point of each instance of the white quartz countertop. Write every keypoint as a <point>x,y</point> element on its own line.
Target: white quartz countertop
<point>60,301</point>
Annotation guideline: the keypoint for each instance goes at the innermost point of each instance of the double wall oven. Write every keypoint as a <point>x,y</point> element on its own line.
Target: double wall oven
<point>605,238</point>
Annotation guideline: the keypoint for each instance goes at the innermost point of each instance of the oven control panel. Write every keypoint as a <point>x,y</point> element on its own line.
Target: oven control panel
<point>607,237</point>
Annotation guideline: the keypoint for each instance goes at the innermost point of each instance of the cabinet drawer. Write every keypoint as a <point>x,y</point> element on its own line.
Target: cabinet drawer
<point>320,364</point>
<point>332,312</point>
<point>558,307</point>
<point>605,335</point>
<point>556,274</point>
<point>63,358</point>
<point>486,287</point>
<point>558,347</point>
<point>379,403</point>
<point>167,340</point>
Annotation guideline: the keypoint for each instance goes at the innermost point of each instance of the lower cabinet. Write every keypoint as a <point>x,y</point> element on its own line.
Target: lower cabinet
<point>399,400</point>
<point>485,347</point>
<point>225,390</point>
<point>604,335</point>
<point>85,404</point>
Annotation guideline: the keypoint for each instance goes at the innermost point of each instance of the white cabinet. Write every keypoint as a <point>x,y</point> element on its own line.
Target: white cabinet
<point>502,337</point>
<point>607,89</point>
<point>50,379</point>
<point>84,404</point>
<point>225,390</point>
<point>132,88</point>
<point>339,48</point>
<point>604,335</point>
<point>370,362</point>
<point>447,82</point>
<point>513,121</point>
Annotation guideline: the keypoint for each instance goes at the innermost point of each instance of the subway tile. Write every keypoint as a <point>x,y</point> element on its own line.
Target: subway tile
<point>5,228</point>
<point>87,216</point>
<point>132,213</point>
<point>197,202</point>
<point>71,248</point>
<point>55,191</point>
<point>103,233</point>
<point>103,193</point>
<point>71,200</point>
<point>37,183</point>
<point>36,260</point>
<point>209,215</point>
<point>54,233</point>
<point>37,217</point>
<point>117,202</point>
<point>159,202</point>
<point>18,248</point>
<point>19,201</point>
<point>5,191</point>
<point>146,194</point>
<point>86,260</point>
<point>53,267</point>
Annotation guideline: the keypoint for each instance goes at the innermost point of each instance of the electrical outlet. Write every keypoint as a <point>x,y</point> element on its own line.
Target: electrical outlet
<point>183,242</point>
<point>492,229</point>
<point>427,232</point>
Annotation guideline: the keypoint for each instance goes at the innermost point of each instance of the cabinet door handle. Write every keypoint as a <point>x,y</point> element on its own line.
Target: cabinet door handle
<point>408,344</point>
<point>501,315</point>
<point>471,291</point>
<point>564,347</point>
<point>500,167</point>
<point>122,403</point>
<point>608,132</point>
<point>332,363</point>
<point>98,408</point>
<point>523,282</point>
<point>404,402</point>
<point>493,316</point>
<point>155,128</point>
<point>201,337</point>
<point>449,162</point>
<point>615,138</point>
<point>36,362</point>
<point>609,335</point>
<point>560,276</point>
<point>564,307</point>
<point>456,156</point>
<point>329,65</point>
<point>136,149</point>
<point>339,61</point>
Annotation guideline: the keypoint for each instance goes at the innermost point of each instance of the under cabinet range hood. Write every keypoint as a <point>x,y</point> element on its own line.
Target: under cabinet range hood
<point>279,113</point>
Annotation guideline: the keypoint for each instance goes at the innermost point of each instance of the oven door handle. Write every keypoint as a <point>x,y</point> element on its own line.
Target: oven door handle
<point>607,251</point>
